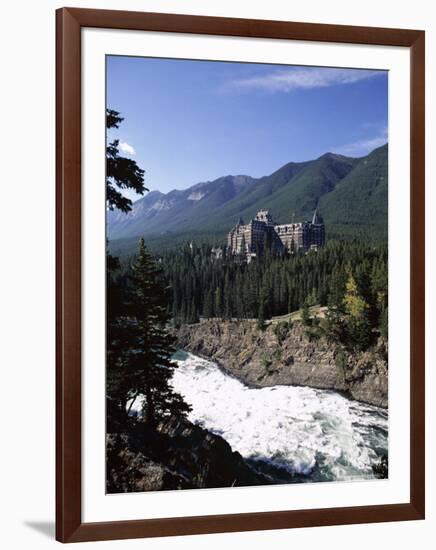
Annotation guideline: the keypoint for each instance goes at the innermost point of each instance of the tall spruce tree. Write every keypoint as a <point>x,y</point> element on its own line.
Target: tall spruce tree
<point>139,358</point>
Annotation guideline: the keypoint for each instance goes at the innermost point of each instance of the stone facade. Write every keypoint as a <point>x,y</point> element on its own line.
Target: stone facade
<point>248,239</point>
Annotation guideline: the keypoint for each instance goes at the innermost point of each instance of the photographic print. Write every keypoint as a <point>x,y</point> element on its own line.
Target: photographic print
<point>247,274</point>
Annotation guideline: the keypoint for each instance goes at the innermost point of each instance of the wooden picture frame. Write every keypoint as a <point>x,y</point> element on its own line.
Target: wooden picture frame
<point>69,525</point>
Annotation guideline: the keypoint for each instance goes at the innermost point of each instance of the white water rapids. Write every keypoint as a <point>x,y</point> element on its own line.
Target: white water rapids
<point>316,435</point>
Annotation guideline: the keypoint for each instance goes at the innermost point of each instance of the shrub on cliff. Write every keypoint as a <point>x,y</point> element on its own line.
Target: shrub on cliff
<point>305,315</point>
<point>281,330</point>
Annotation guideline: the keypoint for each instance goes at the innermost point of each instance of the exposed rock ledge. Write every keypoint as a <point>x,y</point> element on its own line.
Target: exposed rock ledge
<point>259,359</point>
<point>175,455</point>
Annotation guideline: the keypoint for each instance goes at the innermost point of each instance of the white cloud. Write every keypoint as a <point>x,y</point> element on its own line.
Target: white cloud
<point>364,146</point>
<point>288,80</point>
<point>126,148</point>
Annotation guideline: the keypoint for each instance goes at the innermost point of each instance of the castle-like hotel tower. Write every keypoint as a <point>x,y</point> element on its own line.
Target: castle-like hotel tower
<point>248,239</point>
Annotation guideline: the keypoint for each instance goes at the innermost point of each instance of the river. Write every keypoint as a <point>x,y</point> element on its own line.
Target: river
<point>294,433</point>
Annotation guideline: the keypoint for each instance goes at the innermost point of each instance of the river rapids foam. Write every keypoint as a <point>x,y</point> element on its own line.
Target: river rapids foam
<point>314,435</point>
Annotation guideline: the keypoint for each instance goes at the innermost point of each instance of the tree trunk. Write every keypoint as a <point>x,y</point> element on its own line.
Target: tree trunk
<point>150,418</point>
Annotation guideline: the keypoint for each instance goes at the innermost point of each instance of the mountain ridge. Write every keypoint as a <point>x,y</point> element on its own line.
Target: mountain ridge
<point>350,193</point>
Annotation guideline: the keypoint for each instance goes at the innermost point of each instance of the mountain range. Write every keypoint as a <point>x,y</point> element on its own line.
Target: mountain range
<point>351,194</point>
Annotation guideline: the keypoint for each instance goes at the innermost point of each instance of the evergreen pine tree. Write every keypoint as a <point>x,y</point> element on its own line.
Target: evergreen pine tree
<point>261,325</point>
<point>208,305</point>
<point>218,303</point>
<point>139,363</point>
<point>305,316</point>
<point>121,172</point>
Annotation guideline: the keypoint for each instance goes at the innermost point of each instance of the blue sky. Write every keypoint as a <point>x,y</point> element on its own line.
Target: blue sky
<point>191,121</point>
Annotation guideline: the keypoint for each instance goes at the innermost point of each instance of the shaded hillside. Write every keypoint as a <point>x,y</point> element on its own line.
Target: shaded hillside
<point>157,213</point>
<point>302,196</point>
<point>359,203</point>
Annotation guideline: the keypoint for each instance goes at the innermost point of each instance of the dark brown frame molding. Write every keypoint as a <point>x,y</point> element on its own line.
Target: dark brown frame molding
<point>69,526</point>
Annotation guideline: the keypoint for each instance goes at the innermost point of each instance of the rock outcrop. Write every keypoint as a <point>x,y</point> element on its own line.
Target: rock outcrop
<point>175,455</point>
<point>266,358</point>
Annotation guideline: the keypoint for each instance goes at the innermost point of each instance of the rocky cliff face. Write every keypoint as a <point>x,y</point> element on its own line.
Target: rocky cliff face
<point>265,358</point>
<point>175,455</point>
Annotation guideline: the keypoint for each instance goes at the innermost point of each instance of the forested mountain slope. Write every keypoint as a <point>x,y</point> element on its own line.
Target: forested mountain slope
<point>350,194</point>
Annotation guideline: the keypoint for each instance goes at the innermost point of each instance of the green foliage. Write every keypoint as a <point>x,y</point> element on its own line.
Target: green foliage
<point>266,362</point>
<point>333,326</point>
<point>305,316</point>
<point>341,359</point>
<point>357,319</point>
<point>358,205</point>
<point>121,172</point>
<point>139,347</point>
<point>355,305</point>
<point>315,179</point>
<point>264,307</point>
<point>312,298</point>
<point>281,330</point>
<point>278,354</point>
<point>274,285</point>
<point>113,119</point>
<point>384,323</point>
<point>313,333</point>
<point>261,325</point>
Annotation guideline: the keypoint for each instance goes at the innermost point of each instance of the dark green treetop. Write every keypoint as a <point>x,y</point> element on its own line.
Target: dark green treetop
<point>121,172</point>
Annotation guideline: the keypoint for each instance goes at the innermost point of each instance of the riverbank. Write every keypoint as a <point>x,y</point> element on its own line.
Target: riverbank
<point>263,358</point>
<point>176,454</point>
